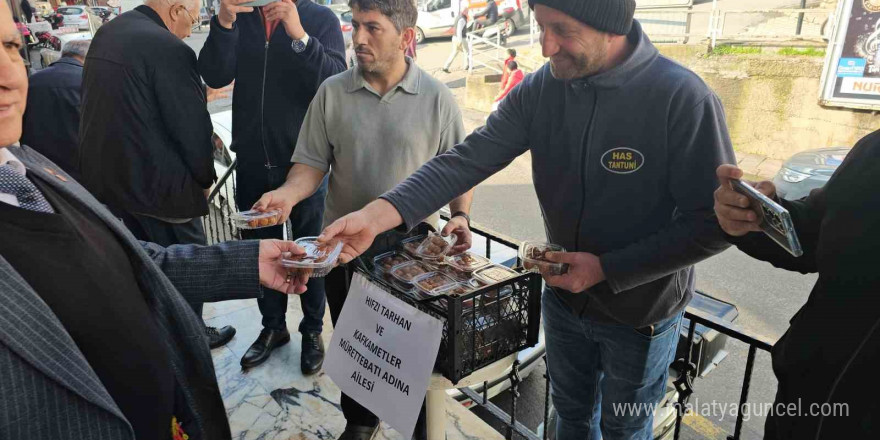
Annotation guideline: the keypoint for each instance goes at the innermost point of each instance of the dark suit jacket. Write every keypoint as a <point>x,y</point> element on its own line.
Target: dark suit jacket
<point>48,389</point>
<point>51,121</point>
<point>145,134</point>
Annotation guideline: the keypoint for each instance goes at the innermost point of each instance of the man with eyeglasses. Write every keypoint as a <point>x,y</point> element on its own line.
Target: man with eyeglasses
<point>145,132</point>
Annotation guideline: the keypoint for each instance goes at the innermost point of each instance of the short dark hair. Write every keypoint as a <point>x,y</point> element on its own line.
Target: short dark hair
<point>402,13</point>
<point>511,52</point>
<point>512,65</point>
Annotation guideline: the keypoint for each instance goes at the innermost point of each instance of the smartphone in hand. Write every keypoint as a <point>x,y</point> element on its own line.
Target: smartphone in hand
<point>257,3</point>
<point>774,220</point>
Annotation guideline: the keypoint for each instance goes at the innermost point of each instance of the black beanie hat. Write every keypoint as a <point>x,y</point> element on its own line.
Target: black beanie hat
<point>613,16</point>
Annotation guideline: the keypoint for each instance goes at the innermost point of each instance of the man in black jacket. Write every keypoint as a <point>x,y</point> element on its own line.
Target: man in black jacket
<point>145,134</point>
<point>278,55</point>
<point>51,121</point>
<point>826,362</point>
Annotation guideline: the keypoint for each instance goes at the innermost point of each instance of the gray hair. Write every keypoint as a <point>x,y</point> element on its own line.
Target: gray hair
<point>78,48</point>
<point>402,13</point>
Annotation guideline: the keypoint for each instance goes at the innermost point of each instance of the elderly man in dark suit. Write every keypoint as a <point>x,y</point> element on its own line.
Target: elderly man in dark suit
<point>51,121</point>
<point>97,340</point>
<point>145,134</point>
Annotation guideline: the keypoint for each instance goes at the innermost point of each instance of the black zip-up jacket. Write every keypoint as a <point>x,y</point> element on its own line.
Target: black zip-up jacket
<point>145,133</point>
<point>273,84</point>
<point>51,120</point>
<point>831,350</point>
<point>624,168</point>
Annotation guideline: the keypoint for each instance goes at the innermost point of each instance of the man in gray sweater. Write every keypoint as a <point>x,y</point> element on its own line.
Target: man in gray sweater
<point>624,145</point>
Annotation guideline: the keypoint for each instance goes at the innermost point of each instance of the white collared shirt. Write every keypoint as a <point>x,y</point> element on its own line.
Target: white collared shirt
<point>6,157</point>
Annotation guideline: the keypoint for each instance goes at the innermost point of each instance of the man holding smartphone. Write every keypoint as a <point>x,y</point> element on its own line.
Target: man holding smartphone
<point>829,354</point>
<point>278,55</point>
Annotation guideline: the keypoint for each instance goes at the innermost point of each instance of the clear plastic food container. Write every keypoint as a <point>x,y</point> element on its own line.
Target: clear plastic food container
<point>432,281</point>
<point>532,255</point>
<point>494,274</point>
<point>435,246</point>
<point>385,262</point>
<point>453,290</point>
<point>255,219</point>
<point>468,261</point>
<point>411,245</point>
<point>407,272</point>
<point>318,261</point>
<point>456,289</point>
<point>454,273</point>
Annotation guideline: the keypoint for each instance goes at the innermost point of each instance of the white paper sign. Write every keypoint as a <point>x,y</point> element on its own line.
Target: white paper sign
<point>382,354</point>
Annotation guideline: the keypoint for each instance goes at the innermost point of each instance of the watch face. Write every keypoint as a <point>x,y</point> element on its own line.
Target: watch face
<point>871,5</point>
<point>298,46</point>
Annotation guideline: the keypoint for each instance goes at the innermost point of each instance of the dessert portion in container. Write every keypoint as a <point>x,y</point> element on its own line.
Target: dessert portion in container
<point>534,257</point>
<point>385,262</point>
<point>407,272</point>
<point>432,281</point>
<point>411,245</point>
<point>468,261</point>
<point>435,247</point>
<point>256,219</point>
<point>494,274</point>
<point>317,262</point>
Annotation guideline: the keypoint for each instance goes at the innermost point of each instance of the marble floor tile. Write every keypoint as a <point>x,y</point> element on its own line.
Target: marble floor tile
<point>274,401</point>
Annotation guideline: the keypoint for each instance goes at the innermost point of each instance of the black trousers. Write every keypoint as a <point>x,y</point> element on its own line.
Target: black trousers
<point>151,229</point>
<point>336,284</point>
<point>305,220</point>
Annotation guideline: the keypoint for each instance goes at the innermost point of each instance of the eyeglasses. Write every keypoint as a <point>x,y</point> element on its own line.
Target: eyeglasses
<point>194,20</point>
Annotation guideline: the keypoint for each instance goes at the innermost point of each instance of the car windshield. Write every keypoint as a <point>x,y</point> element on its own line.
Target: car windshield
<point>346,16</point>
<point>70,11</point>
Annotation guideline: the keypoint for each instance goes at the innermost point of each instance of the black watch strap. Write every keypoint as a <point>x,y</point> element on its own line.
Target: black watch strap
<point>462,214</point>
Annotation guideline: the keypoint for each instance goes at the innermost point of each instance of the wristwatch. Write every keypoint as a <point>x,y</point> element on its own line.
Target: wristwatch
<point>299,46</point>
<point>462,214</point>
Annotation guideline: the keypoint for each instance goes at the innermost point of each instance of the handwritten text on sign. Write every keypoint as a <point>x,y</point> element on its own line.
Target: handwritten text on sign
<point>382,354</point>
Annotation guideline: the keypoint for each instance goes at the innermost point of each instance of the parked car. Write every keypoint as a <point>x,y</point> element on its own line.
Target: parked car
<point>343,13</point>
<point>436,17</point>
<point>807,171</point>
<point>223,158</point>
<point>104,11</point>
<point>78,16</point>
<point>510,14</point>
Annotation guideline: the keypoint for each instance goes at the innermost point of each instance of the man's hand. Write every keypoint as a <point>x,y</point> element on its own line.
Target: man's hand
<point>229,9</point>
<point>732,208</point>
<point>222,93</point>
<point>275,276</point>
<point>286,12</point>
<point>358,229</point>
<point>584,271</point>
<point>356,232</point>
<point>278,199</point>
<point>459,226</point>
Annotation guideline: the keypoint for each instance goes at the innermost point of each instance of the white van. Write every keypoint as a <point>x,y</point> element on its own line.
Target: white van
<point>436,17</point>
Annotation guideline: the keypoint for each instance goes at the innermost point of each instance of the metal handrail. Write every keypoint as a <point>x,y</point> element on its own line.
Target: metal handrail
<point>473,40</point>
<point>684,383</point>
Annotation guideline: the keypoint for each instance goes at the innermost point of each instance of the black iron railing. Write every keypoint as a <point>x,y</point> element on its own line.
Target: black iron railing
<point>218,229</point>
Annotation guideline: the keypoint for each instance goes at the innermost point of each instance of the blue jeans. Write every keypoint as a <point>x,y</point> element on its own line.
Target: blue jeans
<point>595,365</point>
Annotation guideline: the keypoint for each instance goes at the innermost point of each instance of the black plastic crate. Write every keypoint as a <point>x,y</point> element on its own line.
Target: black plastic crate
<point>481,327</point>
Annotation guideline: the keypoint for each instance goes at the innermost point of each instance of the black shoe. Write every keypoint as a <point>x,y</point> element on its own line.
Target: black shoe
<point>312,357</point>
<point>260,350</point>
<point>356,432</point>
<point>446,70</point>
<point>219,337</point>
